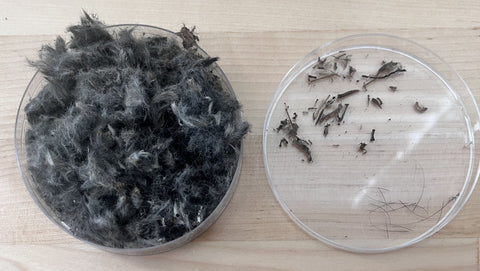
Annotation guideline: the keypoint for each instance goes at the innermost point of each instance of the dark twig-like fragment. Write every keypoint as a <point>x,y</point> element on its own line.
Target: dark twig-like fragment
<point>325,129</point>
<point>291,129</point>
<point>361,148</point>
<point>189,39</point>
<point>340,54</point>
<point>325,103</point>
<point>340,118</point>
<point>377,102</point>
<point>351,71</point>
<point>343,59</point>
<point>385,71</point>
<point>347,93</point>
<point>321,74</point>
<point>303,146</point>
<point>282,124</point>
<point>383,76</point>
<point>283,142</point>
<point>419,108</point>
<point>327,67</point>
<point>372,135</point>
<point>324,117</point>
<point>392,88</point>
<point>331,101</point>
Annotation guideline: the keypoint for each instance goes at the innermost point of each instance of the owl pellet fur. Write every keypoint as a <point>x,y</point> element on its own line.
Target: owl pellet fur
<point>134,140</point>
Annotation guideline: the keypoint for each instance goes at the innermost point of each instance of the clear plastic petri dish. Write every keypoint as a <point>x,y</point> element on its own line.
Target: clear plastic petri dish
<point>391,131</point>
<point>22,126</point>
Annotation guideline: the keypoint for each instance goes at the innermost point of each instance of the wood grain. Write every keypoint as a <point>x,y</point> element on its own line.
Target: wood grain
<point>33,16</point>
<point>245,255</point>
<point>257,43</point>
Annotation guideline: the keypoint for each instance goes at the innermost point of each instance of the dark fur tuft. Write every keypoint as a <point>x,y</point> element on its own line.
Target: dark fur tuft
<point>133,140</point>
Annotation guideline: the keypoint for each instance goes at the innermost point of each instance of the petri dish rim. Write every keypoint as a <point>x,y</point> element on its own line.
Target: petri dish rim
<point>19,131</point>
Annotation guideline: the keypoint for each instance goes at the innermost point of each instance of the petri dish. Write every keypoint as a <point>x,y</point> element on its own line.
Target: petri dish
<point>365,194</point>
<point>22,126</point>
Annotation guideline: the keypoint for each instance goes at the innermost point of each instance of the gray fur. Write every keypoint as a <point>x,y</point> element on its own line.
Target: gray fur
<point>133,140</point>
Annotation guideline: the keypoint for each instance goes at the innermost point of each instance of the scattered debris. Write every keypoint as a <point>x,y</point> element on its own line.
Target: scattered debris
<point>385,71</point>
<point>282,124</point>
<point>328,67</point>
<point>325,129</point>
<point>340,118</point>
<point>361,148</point>
<point>377,102</point>
<point>372,135</point>
<point>290,128</point>
<point>419,108</point>
<point>303,146</point>
<point>351,72</point>
<point>189,39</point>
<point>346,94</point>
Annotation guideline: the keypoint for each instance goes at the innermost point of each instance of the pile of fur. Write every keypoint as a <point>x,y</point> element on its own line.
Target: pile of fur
<point>133,141</point>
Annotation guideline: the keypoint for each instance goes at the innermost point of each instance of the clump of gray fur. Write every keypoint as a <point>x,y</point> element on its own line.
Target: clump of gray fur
<point>133,140</point>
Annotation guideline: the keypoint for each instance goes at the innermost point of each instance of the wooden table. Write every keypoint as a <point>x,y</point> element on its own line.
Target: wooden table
<point>257,43</point>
